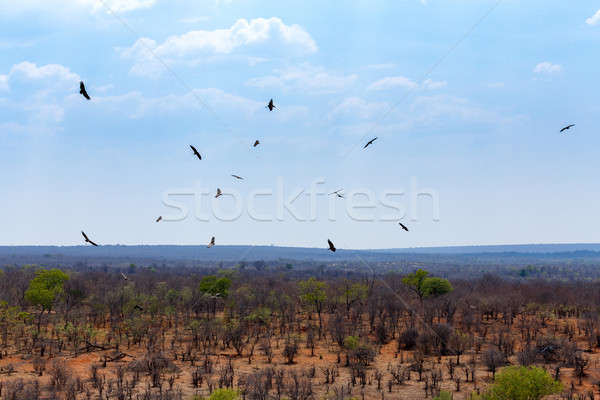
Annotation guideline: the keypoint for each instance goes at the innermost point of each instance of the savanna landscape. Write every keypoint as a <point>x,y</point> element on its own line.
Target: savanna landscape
<point>268,330</point>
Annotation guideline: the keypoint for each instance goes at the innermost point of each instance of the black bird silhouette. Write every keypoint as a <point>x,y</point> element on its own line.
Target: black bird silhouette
<point>87,239</point>
<point>212,242</point>
<point>256,143</point>
<point>196,152</point>
<point>566,128</point>
<point>331,246</point>
<point>82,91</point>
<point>403,226</point>
<point>370,142</point>
<point>338,194</point>
<point>159,219</point>
<point>139,308</point>
<point>124,276</point>
<point>237,177</point>
<point>219,193</point>
<point>271,106</point>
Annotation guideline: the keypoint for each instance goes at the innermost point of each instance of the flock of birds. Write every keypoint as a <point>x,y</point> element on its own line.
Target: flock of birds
<point>270,106</point>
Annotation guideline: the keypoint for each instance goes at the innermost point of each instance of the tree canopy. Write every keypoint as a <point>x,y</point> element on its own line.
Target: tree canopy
<point>46,287</point>
<point>523,383</point>
<point>425,286</point>
<point>215,286</point>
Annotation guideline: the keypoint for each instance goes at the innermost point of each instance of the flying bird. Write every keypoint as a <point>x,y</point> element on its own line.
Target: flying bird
<point>124,276</point>
<point>212,242</point>
<point>331,246</point>
<point>139,308</point>
<point>566,128</point>
<point>338,194</point>
<point>159,219</point>
<point>370,142</point>
<point>82,91</point>
<point>87,239</point>
<point>219,193</point>
<point>196,152</point>
<point>237,177</point>
<point>403,226</point>
<point>271,106</point>
<point>256,143</point>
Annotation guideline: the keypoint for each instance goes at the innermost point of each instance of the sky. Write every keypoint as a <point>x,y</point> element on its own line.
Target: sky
<point>466,99</point>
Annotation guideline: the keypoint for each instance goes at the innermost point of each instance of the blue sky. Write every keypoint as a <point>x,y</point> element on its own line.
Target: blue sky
<point>480,130</point>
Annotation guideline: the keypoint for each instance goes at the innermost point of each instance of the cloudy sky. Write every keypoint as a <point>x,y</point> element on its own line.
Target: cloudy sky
<point>466,98</point>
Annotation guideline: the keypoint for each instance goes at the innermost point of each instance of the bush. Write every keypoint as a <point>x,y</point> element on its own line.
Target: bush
<point>443,396</point>
<point>523,383</point>
<point>224,394</point>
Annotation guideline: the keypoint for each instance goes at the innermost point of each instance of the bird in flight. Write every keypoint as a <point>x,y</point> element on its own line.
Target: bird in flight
<point>403,226</point>
<point>196,152</point>
<point>82,91</point>
<point>566,128</point>
<point>237,177</point>
<point>219,193</point>
<point>124,276</point>
<point>331,246</point>
<point>212,242</point>
<point>370,142</point>
<point>87,239</point>
<point>338,194</point>
<point>256,143</point>
<point>271,106</point>
<point>159,219</point>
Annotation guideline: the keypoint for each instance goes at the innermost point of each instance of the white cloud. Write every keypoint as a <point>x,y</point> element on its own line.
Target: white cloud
<point>594,19</point>
<point>547,68</point>
<point>432,85</point>
<point>259,35</point>
<point>53,74</point>
<point>68,6</point>
<point>139,106</point>
<point>30,71</point>
<point>3,82</point>
<point>305,77</point>
<point>38,101</point>
<point>359,108</point>
<point>391,82</point>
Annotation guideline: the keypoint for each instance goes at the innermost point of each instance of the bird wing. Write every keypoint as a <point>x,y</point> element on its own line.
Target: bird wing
<point>237,176</point>
<point>331,246</point>
<point>85,236</point>
<point>158,219</point>
<point>194,149</point>
<point>93,243</point>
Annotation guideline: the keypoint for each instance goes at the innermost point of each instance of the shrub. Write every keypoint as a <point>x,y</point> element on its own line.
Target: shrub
<point>523,383</point>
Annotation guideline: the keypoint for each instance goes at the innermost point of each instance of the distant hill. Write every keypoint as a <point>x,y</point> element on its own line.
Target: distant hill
<point>237,253</point>
<point>509,248</point>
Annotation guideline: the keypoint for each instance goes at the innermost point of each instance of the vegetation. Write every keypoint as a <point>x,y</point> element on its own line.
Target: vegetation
<point>268,332</point>
<point>523,383</point>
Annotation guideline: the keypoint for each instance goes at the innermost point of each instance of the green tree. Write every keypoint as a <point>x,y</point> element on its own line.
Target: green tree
<point>221,394</point>
<point>214,286</point>
<point>45,289</point>
<point>312,292</point>
<point>425,286</point>
<point>523,383</point>
<point>433,287</point>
